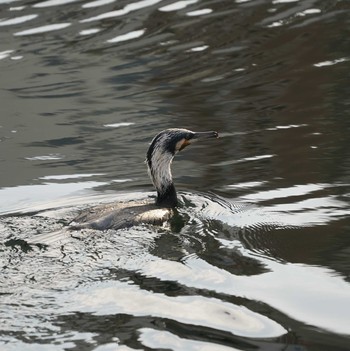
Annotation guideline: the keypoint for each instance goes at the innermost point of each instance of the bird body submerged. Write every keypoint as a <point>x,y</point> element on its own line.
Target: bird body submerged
<point>159,157</point>
<point>122,215</point>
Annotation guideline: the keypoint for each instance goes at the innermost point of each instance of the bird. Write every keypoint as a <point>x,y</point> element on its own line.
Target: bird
<point>164,146</point>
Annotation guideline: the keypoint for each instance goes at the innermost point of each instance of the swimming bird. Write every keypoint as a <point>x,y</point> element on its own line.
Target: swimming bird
<point>159,157</point>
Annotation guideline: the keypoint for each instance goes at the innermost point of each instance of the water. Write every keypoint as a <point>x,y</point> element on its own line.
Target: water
<point>259,255</point>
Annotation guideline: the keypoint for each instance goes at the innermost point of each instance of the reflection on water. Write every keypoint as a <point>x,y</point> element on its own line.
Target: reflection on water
<point>258,257</point>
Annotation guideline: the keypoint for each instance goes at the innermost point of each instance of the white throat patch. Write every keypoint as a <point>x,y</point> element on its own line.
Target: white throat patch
<point>160,162</point>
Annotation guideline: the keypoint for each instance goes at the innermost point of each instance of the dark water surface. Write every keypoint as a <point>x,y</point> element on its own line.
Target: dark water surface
<point>259,258</point>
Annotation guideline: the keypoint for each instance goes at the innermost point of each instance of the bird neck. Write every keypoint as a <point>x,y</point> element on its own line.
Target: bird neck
<point>159,167</point>
<point>163,182</point>
<point>167,197</point>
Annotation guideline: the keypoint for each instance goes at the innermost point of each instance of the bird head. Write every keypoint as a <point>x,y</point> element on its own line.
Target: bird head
<point>171,141</point>
<point>160,154</point>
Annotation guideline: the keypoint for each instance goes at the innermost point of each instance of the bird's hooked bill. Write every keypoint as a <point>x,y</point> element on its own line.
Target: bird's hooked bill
<point>205,135</point>
<point>194,136</point>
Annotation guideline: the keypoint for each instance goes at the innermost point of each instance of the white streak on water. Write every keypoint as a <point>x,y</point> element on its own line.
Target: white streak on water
<point>70,176</point>
<point>97,3</point>
<point>199,48</point>
<point>45,157</point>
<point>179,5</point>
<point>17,20</point>
<point>122,180</point>
<point>283,1</point>
<point>7,1</point>
<point>199,12</point>
<point>15,199</point>
<point>308,12</point>
<point>117,125</point>
<point>245,159</point>
<point>6,53</point>
<point>89,31</point>
<point>50,3</point>
<point>287,126</point>
<point>128,36</point>
<point>296,190</point>
<point>128,8</point>
<point>17,8</point>
<point>275,24</point>
<point>43,29</point>
<point>331,63</point>
<point>245,185</point>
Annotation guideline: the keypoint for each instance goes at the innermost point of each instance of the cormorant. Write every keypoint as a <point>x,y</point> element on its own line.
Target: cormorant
<point>159,157</point>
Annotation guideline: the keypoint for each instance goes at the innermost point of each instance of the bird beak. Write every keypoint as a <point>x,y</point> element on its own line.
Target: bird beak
<point>197,136</point>
<point>204,135</point>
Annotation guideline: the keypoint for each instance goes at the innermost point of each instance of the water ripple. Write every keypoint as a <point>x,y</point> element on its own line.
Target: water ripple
<point>280,280</point>
<point>113,298</point>
<point>296,190</point>
<point>160,339</point>
<point>269,258</point>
